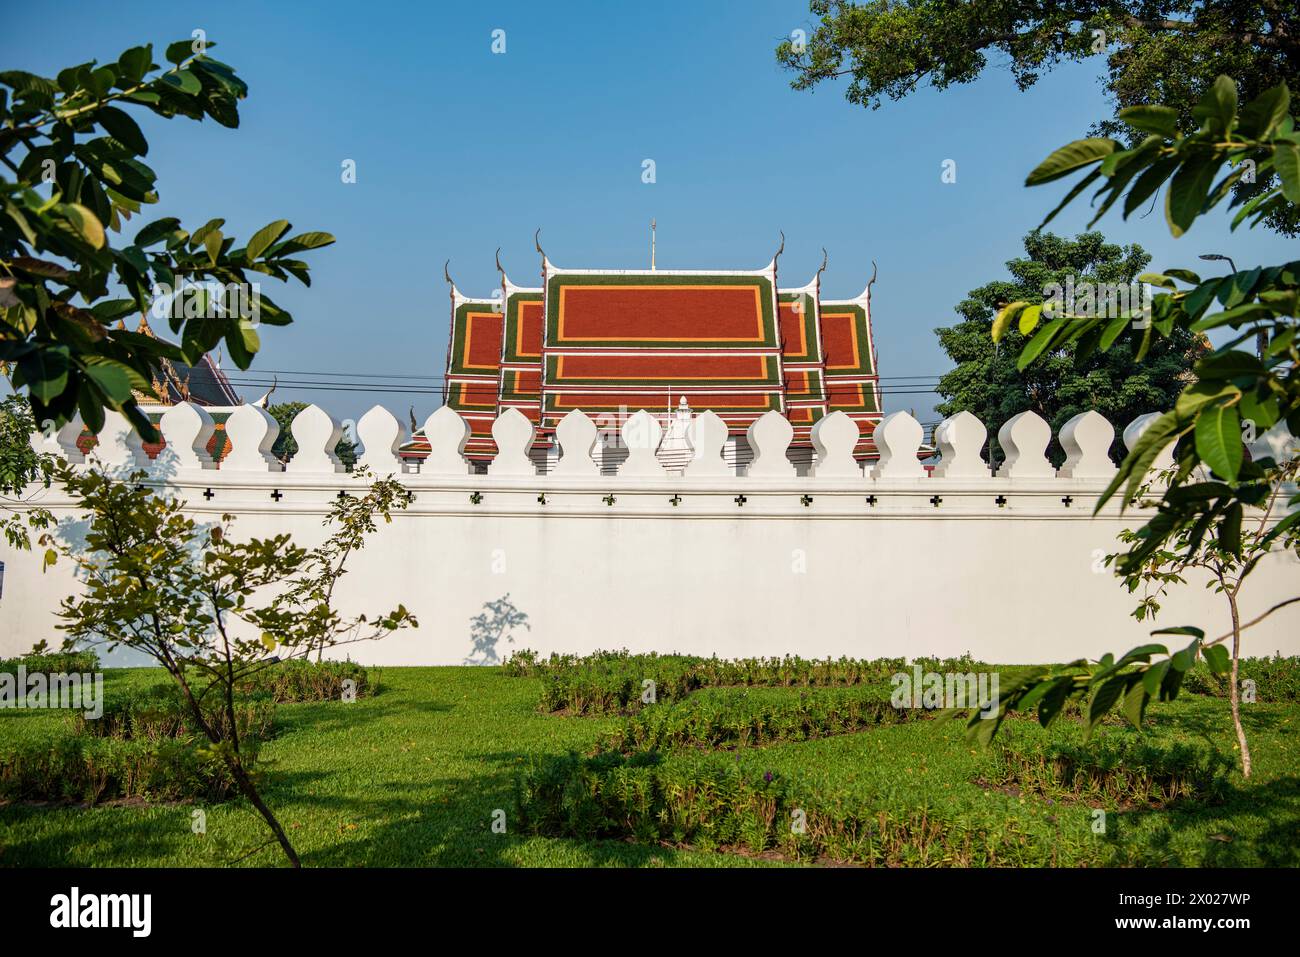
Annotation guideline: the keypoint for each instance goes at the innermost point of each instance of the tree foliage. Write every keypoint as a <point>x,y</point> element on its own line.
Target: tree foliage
<point>1203,504</point>
<point>211,610</point>
<point>1153,51</point>
<point>286,446</point>
<point>987,382</point>
<point>20,466</point>
<point>76,157</point>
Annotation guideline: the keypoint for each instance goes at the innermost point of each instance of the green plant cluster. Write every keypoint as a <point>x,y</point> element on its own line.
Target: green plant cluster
<point>146,744</point>
<point>144,747</point>
<point>614,682</point>
<point>745,717</point>
<point>159,714</point>
<point>297,680</point>
<point>61,662</point>
<point>1276,679</point>
<point>705,766</point>
<point>710,803</point>
<point>1116,771</point>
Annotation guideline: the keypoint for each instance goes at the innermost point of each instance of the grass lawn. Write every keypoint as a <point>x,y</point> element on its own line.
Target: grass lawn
<point>412,776</point>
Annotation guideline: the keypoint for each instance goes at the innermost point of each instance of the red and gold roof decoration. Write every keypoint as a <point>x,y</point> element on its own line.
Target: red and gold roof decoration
<point>520,386</point>
<point>852,380</point>
<point>801,356</point>
<point>474,367</point>
<point>616,341</point>
<point>621,340</point>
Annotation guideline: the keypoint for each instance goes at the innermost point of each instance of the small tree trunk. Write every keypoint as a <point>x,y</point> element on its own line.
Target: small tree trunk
<point>1234,692</point>
<point>249,791</point>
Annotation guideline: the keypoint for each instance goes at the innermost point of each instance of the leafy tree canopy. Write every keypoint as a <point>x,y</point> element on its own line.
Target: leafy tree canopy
<point>286,446</point>
<point>986,381</point>
<point>75,155</point>
<point>1153,51</point>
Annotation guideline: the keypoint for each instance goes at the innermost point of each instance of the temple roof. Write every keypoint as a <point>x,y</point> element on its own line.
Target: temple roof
<point>613,341</point>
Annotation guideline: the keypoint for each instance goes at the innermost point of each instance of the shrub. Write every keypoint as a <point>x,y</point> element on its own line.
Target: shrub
<point>710,803</point>
<point>1112,771</point>
<point>94,769</point>
<point>159,714</point>
<point>1276,679</point>
<point>741,717</point>
<point>297,680</point>
<point>613,682</point>
<point>66,662</point>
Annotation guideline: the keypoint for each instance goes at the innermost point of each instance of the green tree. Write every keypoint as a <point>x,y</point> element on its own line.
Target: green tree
<point>75,154</point>
<point>196,600</point>
<point>20,465</point>
<point>1153,51</point>
<point>987,383</point>
<point>286,446</point>
<point>1217,508</point>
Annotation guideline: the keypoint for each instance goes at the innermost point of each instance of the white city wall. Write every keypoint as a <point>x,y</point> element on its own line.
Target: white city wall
<point>836,562</point>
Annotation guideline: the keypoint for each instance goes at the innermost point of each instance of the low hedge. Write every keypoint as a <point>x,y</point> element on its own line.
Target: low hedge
<point>160,713</point>
<point>615,682</point>
<point>710,803</point>
<point>296,681</point>
<point>743,717</point>
<point>95,769</point>
<point>60,662</point>
<point>1276,679</point>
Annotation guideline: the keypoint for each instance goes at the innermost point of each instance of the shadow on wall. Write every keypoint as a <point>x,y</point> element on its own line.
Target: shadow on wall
<point>73,530</point>
<point>486,629</point>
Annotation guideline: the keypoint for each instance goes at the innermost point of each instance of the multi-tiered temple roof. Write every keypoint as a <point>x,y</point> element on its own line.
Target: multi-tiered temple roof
<point>611,342</point>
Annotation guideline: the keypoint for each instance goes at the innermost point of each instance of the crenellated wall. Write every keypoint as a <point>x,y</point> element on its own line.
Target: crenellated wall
<point>1007,566</point>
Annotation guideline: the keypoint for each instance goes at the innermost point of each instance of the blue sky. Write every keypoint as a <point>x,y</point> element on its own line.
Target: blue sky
<point>459,150</point>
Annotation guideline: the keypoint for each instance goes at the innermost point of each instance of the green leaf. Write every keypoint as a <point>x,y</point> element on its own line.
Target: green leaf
<point>1286,160</point>
<point>113,378</point>
<point>1029,318</point>
<point>264,237</point>
<point>1042,339</point>
<point>1218,440</point>
<point>212,243</point>
<point>301,242</point>
<point>1148,183</point>
<point>1185,658</point>
<point>1103,699</point>
<point>1261,116</point>
<point>1217,657</point>
<point>1234,316</point>
<point>1229,365</point>
<point>45,372</point>
<point>180,51</point>
<point>158,229</point>
<point>1218,106</point>
<point>1161,120</point>
<point>182,80</point>
<point>1187,191</point>
<point>1200,394</point>
<point>84,222</point>
<point>1002,320</point>
<point>1135,703</point>
<point>1153,676</point>
<point>1230,530</point>
<point>1069,158</point>
<point>122,128</point>
<point>135,62</point>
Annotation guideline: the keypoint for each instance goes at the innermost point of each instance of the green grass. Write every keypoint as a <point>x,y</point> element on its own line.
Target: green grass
<point>412,777</point>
